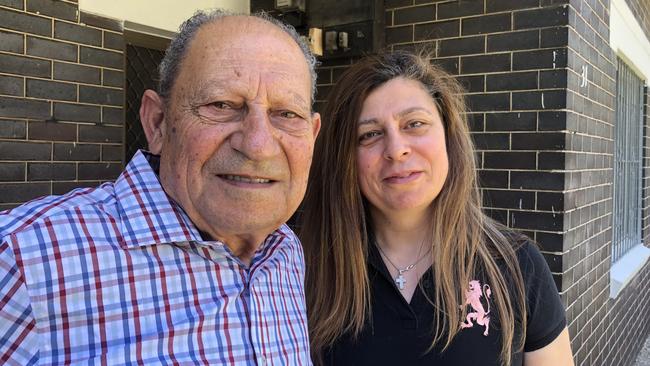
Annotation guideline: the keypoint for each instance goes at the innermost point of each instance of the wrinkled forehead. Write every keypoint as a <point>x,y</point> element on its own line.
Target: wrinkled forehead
<point>240,39</point>
<point>237,46</point>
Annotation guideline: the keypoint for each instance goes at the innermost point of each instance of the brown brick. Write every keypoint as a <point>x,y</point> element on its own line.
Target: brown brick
<point>101,134</point>
<point>415,14</point>
<point>18,150</point>
<point>545,17</point>
<point>503,5</point>
<point>114,116</point>
<point>486,24</point>
<point>76,112</point>
<point>99,57</point>
<point>99,171</point>
<point>12,172</point>
<point>511,81</point>
<point>51,49</point>
<point>51,171</point>
<point>24,66</point>
<point>485,63</point>
<point>444,29</point>
<point>510,199</point>
<point>79,152</point>
<point>25,22</point>
<point>100,22</point>
<point>113,78</point>
<point>98,95</point>
<point>455,9</point>
<point>18,4</point>
<point>462,46</point>
<point>54,8</point>
<point>77,33</point>
<point>509,160</point>
<point>75,72</point>
<point>21,192</point>
<point>112,152</point>
<point>10,129</point>
<point>52,131</point>
<point>10,85</point>
<point>51,90</point>
<point>24,108</point>
<point>11,42</point>
<point>113,41</point>
<point>399,34</point>
<point>512,41</point>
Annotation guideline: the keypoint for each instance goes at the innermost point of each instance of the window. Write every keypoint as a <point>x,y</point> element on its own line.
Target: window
<point>628,130</point>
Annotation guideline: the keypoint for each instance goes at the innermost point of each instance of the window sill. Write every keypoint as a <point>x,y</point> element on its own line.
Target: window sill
<point>624,270</point>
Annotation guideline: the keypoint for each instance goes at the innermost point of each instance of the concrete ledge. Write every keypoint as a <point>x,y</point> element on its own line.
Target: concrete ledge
<point>624,270</point>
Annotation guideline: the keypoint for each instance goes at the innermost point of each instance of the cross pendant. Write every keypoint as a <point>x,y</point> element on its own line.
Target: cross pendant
<point>400,281</point>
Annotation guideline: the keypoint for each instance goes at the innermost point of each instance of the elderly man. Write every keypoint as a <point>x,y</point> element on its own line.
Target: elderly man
<point>184,259</point>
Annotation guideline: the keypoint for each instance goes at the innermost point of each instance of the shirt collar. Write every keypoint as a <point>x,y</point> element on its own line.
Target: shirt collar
<point>147,215</point>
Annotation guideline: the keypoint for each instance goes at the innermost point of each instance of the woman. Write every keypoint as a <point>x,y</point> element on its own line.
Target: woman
<point>403,267</point>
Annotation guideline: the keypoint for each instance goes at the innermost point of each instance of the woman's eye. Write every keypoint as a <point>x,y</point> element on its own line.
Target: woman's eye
<point>368,135</point>
<point>415,124</point>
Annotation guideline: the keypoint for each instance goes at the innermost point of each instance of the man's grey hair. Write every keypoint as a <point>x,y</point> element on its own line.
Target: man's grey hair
<point>171,62</point>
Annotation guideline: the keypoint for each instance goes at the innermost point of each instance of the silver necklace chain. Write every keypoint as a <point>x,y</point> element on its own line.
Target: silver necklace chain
<point>400,281</point>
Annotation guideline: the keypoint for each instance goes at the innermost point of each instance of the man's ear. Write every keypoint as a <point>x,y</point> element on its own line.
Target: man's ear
<point>152,116</point>
<point>315,122</point>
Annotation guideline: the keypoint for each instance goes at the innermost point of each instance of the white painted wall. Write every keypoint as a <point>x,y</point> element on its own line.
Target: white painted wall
<point>161,14</point>
<point>628,40</point>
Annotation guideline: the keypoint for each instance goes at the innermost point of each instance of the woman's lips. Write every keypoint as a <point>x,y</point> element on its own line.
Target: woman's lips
<point>402,178</point>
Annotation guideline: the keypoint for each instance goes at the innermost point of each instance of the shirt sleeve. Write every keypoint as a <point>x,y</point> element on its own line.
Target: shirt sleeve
<point>546,317</point>
<point>18,336</point>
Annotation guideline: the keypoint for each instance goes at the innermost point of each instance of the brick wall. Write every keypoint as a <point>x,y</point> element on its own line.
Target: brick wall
<point>591,95</point>
<point>641,10</point>
<point>61,98</point>
<point>541,82</point>
<point>645,235</point>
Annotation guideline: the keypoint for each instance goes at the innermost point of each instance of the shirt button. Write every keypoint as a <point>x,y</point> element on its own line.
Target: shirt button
<point>262,361</point>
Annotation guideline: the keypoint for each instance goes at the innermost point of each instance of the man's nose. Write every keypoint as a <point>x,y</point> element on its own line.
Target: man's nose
<point>397,146</point>
<point>257,139</point>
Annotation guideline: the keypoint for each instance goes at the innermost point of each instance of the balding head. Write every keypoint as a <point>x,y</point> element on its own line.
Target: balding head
<point>177,50</point>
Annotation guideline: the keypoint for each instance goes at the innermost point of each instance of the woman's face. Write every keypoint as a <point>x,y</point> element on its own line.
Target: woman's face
<point>401,153</point>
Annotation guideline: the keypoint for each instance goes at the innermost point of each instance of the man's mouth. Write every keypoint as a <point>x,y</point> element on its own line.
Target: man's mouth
<point>245,179</point>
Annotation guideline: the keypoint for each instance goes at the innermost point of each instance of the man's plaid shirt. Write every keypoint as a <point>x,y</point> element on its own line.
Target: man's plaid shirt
<point>119,275</point>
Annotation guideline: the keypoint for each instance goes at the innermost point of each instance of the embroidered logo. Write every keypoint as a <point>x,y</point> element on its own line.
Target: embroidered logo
<point>473,299</point>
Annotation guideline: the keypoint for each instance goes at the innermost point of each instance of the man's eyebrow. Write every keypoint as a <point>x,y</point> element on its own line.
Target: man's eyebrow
<point>298,99</point>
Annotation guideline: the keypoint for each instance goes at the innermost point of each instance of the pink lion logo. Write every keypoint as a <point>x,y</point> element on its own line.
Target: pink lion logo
<point>478,313</point>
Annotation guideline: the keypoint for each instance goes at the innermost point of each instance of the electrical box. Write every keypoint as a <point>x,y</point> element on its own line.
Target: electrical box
<point>348,28</point>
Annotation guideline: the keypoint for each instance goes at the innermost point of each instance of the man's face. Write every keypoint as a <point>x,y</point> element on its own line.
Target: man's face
<point>238,133</point>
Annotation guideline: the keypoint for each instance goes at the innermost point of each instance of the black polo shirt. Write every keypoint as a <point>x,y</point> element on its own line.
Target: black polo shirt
<point>400,333</point>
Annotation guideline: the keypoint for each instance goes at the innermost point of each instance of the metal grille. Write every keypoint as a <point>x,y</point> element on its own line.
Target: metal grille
<point>141,74</point>
<point>627,161</point>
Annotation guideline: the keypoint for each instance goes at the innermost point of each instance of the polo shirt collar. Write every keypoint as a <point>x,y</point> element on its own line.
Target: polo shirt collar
<point>147,215</point>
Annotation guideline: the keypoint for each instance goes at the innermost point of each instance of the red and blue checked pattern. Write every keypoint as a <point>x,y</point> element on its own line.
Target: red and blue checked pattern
<point>118,275</point>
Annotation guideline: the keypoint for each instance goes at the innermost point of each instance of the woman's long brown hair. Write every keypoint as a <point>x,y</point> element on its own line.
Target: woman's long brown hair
<point>334,222</point>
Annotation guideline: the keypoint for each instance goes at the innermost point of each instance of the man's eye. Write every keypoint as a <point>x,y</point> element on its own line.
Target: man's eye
<point>221,105</point>
<point>219,112</point>
<point>288,114</point>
